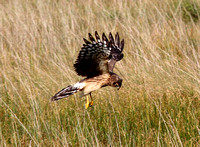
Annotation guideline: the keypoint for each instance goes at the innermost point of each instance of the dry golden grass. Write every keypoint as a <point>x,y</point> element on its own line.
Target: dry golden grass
<point>159,103</point>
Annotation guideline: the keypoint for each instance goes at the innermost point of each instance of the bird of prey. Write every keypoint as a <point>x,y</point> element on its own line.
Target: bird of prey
<point>95,61</point>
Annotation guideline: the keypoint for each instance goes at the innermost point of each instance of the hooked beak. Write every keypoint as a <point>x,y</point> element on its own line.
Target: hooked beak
<point>119,85</point>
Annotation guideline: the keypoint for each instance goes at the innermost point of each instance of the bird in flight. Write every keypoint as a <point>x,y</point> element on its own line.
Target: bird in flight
<point>95,61</point>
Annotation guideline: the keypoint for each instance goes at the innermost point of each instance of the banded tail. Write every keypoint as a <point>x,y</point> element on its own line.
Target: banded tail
<point>65,92</point>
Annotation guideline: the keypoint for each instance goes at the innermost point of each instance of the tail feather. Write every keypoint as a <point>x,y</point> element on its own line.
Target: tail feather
<point>65,92</point>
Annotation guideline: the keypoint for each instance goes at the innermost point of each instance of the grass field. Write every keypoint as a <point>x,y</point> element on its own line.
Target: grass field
<point>159,102</point>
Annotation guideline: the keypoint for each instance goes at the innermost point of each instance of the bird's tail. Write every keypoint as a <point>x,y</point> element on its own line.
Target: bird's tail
<point>65,92</point>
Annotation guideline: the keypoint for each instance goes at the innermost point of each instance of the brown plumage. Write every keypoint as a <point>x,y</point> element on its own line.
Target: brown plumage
<point>96,61</point>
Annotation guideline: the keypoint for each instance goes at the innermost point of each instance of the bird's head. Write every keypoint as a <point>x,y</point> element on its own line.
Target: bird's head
<point>116,81</point>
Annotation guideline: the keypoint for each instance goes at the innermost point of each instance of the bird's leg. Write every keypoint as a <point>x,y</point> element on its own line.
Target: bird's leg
<point>88,103</point>
<point>91,103</point>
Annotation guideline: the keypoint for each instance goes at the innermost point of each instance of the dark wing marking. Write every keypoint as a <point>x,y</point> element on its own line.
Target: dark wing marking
<point>116,51</point>
<point>93,57</point>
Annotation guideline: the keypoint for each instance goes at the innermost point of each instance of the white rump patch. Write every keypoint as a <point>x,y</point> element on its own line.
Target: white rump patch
<point>79,85</point>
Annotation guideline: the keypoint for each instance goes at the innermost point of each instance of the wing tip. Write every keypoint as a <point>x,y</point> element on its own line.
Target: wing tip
<point>97,36</point>
<point>86,41</point>
<point>111,38</point>
<point>91,37</point>
<point>122,45</point>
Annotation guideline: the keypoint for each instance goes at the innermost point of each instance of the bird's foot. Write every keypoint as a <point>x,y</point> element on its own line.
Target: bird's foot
<point>91,103</point>
<point>88,104</point>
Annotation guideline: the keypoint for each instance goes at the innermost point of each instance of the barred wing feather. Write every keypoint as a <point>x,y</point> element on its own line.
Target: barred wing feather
<point>99,56</point>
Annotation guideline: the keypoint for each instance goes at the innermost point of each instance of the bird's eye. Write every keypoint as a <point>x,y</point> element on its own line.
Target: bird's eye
<point>116,84</point>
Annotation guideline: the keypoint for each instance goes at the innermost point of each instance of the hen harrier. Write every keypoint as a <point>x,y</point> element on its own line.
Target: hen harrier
<point>95,61</point>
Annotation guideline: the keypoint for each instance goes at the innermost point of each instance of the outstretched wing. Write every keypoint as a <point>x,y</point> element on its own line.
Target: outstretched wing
<point>99,56</point>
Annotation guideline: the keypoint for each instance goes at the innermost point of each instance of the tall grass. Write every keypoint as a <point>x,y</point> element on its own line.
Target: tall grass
<point>159,103</point>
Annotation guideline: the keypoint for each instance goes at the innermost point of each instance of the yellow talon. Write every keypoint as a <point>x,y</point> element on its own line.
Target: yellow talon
<point>89,104</point>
